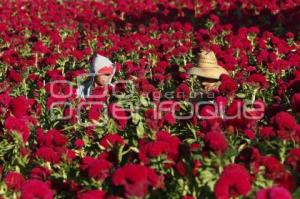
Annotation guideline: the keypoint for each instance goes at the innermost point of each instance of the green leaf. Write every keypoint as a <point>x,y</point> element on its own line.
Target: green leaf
<point>296,193</point>
<point>136,118</point>
<point>241,95</point>
<point>140,130</point>
<point>208,178</point>
<point>143,101</point>
<point>112,126</point>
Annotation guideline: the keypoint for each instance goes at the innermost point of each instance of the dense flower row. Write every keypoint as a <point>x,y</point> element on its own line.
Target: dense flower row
<point>137,150</point>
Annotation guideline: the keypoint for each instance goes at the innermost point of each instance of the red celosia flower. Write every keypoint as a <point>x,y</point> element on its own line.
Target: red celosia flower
<point>235,117</point>
<point>267,132</point>
<point>169,119</point>
<point>15,76</point>
<point>152,119</point>
<point>79,143</point>
<point>95,112</point>
<point>165,144</point>
<point>5,99</point>
<point>250,158</point>
<point>211,120</point>
<point>182,92</point>
<point>249,134</point>
<point>40,47</point>
<point>273,193</point>
<point>181,168</point>
<point>283,121</point>
<point>36,189</point>
<point>92,194</point>
<point>96,168</point>
<point>287,181</point>
<point>274,169</point>
<point>153,150</point>
<point>71,114</point>
<point>258,79</point>
<point>14,180</point>
<point>172,140</point>
<point>197,165</point>
<point>19,106</point>
<point>228,87</point>
<point>216,141</point>
<point>161,67</point>
<point>293,159</point>
<point>53,138</point>
<point>230,183</point>
<point>18,125</point>
<point>48,154</point>
<point>40,173</point>
<point>111,139</point>
<point>136,179</point>
<point>118,114</point>
<point>295,103</point>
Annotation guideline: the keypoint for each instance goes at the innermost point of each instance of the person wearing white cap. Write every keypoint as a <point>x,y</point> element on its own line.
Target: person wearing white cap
<point>102,71</point>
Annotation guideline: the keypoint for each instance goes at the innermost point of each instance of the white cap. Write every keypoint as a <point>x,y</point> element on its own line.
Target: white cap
<point>100,62</point>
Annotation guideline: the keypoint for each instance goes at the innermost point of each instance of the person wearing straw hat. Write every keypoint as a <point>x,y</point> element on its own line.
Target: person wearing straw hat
<point>102,71</point>
<point>206,75</point>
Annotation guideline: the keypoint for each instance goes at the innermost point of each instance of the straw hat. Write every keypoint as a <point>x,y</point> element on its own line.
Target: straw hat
<point>207,66</point>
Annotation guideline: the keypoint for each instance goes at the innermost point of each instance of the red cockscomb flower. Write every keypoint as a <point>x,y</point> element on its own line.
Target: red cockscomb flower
<point>91,194</point>
<point>267,132</point>
<point>228,87</point>
<point>15,76</point>
<point>165,144</point>
<point>19,106</point>
<point>274,169</point>
<point>216,141</point>
<point>18,125</point>
<point>79,143</point>
<point>94,112</point>
<point>258,79</point>
<point>118,114</point>
<point>36,189</point>
<point>14,180</point>
<point>293,159</point>
<point>250,158</point>
<point>53,138</point>
<point>283,121</point>
<point>136,179</point>
<point>295,103</point>
<point>182,92</point>
<point>48,154</point>
<point>40,173</point>
<point>111,139</point>
<point>152,119</point>
<point>230,183</point>
<point>273,193</point>
<point>96,168</point>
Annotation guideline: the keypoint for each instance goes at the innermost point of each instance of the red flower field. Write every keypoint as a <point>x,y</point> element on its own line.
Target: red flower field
<point>146,136</point>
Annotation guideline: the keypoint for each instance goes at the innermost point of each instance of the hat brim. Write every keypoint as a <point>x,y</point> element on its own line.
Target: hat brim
<point>212,71</point>
<point>105,70</point>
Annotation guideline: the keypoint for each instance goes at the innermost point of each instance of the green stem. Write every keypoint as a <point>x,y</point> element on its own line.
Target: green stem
<point>254,95</point>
